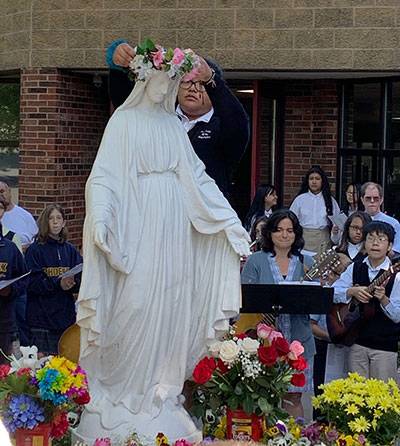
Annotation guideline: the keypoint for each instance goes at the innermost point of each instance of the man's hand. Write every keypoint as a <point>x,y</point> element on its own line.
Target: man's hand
<point>335,229</point>
<point>239,239</point>
<point>67,283</point>
<point>123,54</point>
<point>360,293</point>
<point>203,71</point>
<point>379,293</point>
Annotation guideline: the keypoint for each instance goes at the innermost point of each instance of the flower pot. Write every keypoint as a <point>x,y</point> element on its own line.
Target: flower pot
<point>242,426</point>
<point>38,436</point>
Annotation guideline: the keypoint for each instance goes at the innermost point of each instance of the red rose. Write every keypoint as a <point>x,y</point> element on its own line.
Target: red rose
<point>203,370</point>
<point>281,345</point>
<point>24,371</point>
<point>4,370</point>
<point>267,355</point>
<point>59,425</point>
<point>241,335</point>
<point>298,379</point>
<point>299,364</point>
<point>222,367</point>
<point>82,399</point>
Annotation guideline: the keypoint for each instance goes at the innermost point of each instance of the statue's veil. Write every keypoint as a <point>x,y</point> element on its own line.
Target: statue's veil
<point>138,91</point>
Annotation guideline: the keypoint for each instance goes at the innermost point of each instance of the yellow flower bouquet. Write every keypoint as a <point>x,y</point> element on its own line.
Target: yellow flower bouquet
<point>369,407</point>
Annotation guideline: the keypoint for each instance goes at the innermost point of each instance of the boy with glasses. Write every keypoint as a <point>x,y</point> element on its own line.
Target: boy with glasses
<point>374,353</point>
<point>372,199</point>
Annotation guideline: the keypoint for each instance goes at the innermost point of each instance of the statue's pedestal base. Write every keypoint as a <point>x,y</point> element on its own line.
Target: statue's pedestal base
<point>173,421</point>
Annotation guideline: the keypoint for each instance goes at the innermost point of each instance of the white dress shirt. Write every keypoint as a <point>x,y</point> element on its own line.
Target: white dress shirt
<point>311,211</point>
<point>380,216</point>
<point>345,281</point>
<point>189,124</point>
<point>353,249</point>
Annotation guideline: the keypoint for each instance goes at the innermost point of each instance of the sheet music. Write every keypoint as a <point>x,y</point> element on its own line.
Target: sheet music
<point>6,283</point>
<point>298,282</point>
<point>71,272</point>
<point>338,219</point>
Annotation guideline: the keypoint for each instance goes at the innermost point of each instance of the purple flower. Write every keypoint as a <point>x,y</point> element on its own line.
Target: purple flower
<point>312,432</point>
<point>281,426</point>
<point>23,412</point>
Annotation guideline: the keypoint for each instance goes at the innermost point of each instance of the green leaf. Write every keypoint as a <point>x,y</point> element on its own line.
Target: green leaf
<point>264,405</point>
<point>224,387</point>
<point>169,54</point>
<point>215,402</point>
<point>263,381</point>
<point>233,402</point>
<point>248,405</point>
<point>239,389</point>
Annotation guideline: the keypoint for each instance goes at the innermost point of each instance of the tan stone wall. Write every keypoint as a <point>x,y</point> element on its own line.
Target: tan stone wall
<point>240,34</point>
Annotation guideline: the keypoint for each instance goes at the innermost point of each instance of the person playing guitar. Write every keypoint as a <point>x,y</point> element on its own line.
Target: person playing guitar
<point>373,305</point>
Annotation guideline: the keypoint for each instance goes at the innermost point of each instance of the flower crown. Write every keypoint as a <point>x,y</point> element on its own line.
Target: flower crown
<point>150,57</point>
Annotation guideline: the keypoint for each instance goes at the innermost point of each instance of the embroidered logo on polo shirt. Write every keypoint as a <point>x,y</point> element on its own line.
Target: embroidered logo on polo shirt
<point>205,134</point>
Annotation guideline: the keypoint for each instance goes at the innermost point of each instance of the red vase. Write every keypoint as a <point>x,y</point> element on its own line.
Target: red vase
<point>242,426</point>
<point>38,436</point>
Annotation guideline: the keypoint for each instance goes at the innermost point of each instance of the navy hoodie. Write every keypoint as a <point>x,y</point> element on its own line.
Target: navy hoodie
<point>48,305</point>
<point>12,265</point>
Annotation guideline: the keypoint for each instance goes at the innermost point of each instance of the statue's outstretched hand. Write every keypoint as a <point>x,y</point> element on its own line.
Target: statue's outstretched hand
<point>239,239</point>
<point>100,237</point>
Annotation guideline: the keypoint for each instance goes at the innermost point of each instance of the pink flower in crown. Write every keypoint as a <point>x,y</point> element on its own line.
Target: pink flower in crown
<point>265,331</point>
<point>296,349</point>
<point>182,442</point>
<point>178,57</point>
<point>102,442</point>
<point>158,57</point>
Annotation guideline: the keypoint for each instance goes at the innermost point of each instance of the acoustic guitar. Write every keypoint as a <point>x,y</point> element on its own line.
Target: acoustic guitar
<point>324,263</point>
<point>345,320</point>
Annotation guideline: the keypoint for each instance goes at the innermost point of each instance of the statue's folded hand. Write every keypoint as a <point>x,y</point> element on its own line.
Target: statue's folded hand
<point>239,239</point>
<point>100,237</point>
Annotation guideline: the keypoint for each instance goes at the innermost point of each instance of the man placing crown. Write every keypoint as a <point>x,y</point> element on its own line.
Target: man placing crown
<point>214,119</point>
<point>162,248</point>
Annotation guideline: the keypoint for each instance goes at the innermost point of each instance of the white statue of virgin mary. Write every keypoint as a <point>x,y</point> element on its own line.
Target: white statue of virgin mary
<point>161,273</point>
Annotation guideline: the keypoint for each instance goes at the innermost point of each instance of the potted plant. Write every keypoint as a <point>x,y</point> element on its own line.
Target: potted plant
<point>248,378</point>
<point>357,405</point>
<point>36,396</point>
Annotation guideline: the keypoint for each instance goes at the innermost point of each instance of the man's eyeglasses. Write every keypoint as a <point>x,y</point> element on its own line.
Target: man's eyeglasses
<point>376,238</point>
<point>371,199</point>
<point>198,86</point>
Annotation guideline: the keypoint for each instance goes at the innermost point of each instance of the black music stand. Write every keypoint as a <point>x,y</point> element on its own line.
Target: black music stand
<point>286,299</point>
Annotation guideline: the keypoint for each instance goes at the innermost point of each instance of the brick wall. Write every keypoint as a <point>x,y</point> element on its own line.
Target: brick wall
<point>62,119</point>
<point>311,130</point>
<point>240,34</point>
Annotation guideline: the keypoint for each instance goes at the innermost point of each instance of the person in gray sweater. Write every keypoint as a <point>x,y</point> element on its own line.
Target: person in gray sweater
<point>280,260</point>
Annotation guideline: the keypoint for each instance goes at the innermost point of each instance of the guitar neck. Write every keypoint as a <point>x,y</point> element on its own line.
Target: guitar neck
<point>381,279</point>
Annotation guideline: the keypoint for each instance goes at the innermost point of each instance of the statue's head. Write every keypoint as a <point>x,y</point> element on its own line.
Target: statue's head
<point>157,86</point>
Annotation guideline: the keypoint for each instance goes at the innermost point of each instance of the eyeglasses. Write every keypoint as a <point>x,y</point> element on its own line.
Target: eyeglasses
<point>356,228</point>
<point>376,238</point>
<point>371,199</point>
<point>198,86</point>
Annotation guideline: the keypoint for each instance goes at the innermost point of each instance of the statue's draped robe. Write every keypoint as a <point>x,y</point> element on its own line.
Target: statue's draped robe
<point>171,282</point>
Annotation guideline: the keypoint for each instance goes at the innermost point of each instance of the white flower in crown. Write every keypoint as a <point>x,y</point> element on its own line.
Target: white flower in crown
<point>141,67</point>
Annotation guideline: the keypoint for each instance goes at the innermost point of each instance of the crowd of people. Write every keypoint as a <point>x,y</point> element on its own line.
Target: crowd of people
<point>39,306</point>
<point>367,246</point>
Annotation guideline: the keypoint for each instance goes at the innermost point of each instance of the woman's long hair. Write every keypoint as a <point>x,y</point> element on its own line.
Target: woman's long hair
<point>357,203</point>
<point>345,240</point>
<point>325,189</point>
<point>43,224</point>
<point>267,244</point>
<point>257,206</point>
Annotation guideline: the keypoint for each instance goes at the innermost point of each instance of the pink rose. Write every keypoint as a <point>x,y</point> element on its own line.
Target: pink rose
<point>158,57</point>
<point>178,57</point>
<point>102,442</point>
<point>296,349</point>
<point>264,331</point>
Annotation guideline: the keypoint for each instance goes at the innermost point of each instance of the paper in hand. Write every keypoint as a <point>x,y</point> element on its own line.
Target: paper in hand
<point>6,283</point>
<point>71,272</point>
<point>338,219</point>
